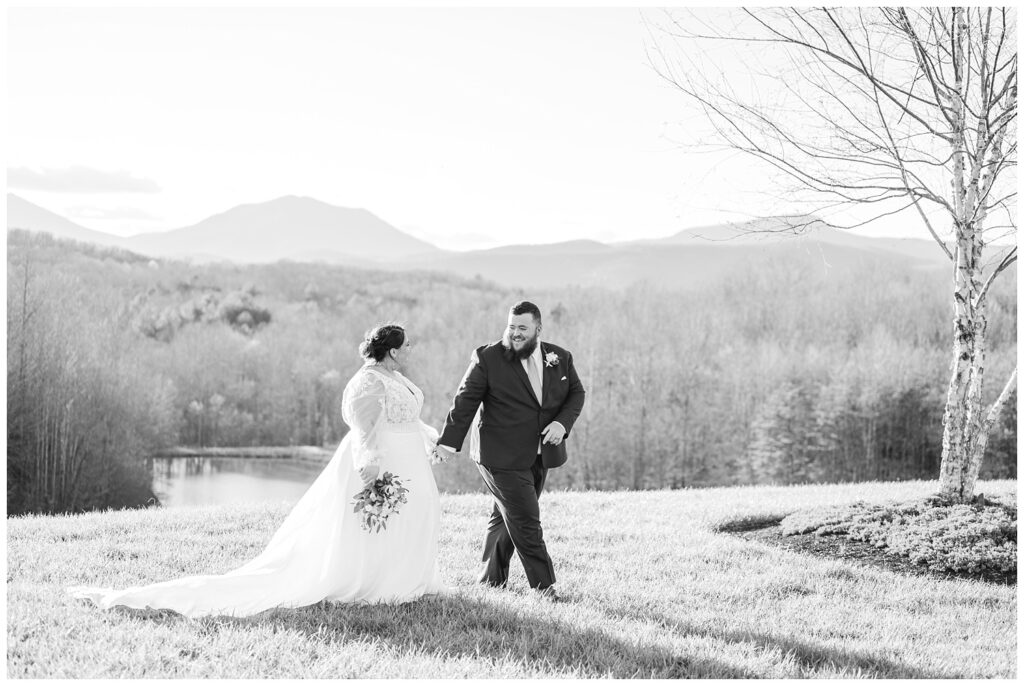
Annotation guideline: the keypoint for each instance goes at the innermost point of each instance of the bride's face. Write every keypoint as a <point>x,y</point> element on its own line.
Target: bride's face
<point>402,355</point>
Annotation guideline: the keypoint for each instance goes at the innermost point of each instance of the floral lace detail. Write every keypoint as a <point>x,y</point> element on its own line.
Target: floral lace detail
<point>402,401</point>
<point>361,386</point>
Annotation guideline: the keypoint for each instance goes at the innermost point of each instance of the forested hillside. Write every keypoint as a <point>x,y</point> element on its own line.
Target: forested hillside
<point>779,370</point>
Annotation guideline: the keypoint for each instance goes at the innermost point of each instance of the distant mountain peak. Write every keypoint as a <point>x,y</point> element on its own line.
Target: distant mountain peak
<point>296,200</point>
<point>292,203</point>
<point>286,227</point>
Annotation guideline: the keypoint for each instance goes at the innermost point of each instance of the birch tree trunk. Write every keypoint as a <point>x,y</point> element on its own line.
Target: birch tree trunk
<point>965,429</point>
<point>962,421</point>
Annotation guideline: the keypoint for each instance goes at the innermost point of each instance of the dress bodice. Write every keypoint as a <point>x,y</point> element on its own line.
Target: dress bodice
<point>377,403</point>
<point>402,401</point>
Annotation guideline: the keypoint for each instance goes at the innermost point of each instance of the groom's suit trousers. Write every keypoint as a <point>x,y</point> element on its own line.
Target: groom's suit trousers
<point>515,525</point>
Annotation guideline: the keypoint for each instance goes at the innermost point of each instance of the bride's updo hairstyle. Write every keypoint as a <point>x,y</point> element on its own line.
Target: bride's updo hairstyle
<point>380,340</point>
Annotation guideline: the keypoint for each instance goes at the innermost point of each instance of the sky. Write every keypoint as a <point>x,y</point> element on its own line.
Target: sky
<point>467,127</point>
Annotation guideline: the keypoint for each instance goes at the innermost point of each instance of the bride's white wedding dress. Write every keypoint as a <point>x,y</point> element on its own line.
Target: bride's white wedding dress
<point>320,551</point>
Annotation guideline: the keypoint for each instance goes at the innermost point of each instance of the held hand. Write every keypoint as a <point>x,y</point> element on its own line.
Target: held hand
<point>368,473</point>
<point>553,433</point>
<point>440,454</point>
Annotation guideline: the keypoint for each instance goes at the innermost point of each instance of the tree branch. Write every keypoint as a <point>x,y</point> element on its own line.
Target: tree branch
<point>997,406</point>
<point>1008,259</point>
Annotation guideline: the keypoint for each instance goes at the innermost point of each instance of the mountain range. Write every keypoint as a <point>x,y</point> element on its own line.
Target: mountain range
<point>307,230</point>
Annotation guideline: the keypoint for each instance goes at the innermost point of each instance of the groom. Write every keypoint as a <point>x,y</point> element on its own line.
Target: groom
<point>529,396</point>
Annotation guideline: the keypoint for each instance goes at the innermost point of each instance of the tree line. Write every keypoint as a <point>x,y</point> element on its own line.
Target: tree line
<point>781,371</point>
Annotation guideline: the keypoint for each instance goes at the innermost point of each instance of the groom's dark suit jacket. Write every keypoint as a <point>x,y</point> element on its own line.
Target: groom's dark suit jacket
<point>512,417</point>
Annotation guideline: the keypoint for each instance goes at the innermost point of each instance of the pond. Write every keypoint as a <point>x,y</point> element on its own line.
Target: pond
<point>187,481</point>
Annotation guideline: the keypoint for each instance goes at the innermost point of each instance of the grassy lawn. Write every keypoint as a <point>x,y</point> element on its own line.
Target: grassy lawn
<point>651,591</point>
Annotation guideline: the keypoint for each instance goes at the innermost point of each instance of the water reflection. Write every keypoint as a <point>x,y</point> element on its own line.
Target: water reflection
<point>182,481</point>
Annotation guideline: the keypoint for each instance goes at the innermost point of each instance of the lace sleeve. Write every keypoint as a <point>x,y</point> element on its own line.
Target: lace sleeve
<point>362,408</point>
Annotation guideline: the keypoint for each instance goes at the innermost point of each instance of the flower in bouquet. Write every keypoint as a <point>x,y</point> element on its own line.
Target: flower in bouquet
<point>378,501</point>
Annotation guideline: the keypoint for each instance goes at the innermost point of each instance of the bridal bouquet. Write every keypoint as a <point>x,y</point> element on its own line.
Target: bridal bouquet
<point>378,501</point>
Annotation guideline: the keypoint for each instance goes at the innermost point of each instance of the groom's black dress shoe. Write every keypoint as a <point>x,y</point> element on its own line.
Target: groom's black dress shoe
<point>549,594</point>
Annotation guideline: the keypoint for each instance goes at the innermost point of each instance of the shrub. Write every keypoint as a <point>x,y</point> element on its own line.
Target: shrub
<point>238,310</point>
<point>818,520</point>
<point>975,538</point>
<point>959,538</point>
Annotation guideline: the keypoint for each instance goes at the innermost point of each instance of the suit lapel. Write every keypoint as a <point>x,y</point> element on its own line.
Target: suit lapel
<point>517,369</point>
<point>547,373</point>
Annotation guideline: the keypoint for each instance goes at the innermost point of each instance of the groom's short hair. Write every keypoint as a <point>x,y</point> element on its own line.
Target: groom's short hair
<point>526,307</point>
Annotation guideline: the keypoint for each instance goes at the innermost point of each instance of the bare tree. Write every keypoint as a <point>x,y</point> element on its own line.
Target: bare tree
<point>888,109</point>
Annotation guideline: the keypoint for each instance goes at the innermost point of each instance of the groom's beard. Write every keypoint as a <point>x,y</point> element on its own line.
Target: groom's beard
<point>511,354</point>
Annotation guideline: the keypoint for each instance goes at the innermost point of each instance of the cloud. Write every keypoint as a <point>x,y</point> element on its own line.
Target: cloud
<point>86,212</point>
<point>78,179</point>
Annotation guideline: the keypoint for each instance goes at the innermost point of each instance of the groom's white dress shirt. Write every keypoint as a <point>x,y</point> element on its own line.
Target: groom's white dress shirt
<point>538,360</point>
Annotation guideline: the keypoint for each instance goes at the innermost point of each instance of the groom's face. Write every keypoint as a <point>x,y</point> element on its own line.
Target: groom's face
<point>522,331</point>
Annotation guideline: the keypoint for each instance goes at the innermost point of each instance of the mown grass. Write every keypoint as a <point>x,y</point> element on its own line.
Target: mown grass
<point>652,591</point>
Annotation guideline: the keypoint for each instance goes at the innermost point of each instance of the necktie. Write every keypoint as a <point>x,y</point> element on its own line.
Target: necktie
<point>531,371</point>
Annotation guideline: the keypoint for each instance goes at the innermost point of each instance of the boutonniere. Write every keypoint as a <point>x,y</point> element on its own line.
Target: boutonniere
<point>550,360</point>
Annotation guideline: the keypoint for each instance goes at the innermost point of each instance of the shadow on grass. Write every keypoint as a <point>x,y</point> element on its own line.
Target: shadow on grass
<point>816,661</point>
<point>463,627</point>
<point>750,523</point>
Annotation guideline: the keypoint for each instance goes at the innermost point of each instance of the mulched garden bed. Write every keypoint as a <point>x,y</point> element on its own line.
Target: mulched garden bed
<point>858,552</point>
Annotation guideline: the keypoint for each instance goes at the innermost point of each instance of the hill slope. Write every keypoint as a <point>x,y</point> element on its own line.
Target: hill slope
<point>689,603</point>
<point>21,214</point>
<point>809,232</point>
<point>680,266</point>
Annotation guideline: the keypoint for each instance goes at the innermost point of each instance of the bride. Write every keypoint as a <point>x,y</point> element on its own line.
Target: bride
<point>320,552</point>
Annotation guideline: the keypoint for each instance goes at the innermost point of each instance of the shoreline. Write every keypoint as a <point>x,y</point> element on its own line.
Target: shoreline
<point>308,453</point>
